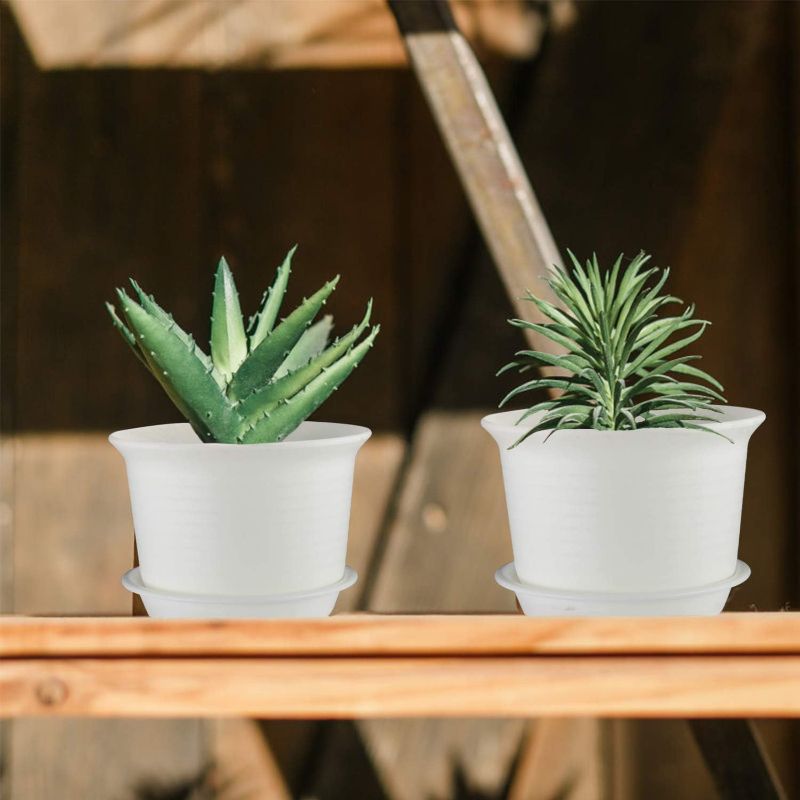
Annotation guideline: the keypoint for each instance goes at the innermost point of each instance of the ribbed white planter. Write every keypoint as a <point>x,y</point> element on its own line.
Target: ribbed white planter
<point>249,521</point>
<point>625,511</point>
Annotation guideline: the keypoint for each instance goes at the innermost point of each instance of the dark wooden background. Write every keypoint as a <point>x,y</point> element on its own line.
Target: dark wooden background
<point>669,127</point>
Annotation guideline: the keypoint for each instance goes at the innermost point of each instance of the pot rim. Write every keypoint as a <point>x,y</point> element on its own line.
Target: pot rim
<point>138,439</point>
<point>734,418</point>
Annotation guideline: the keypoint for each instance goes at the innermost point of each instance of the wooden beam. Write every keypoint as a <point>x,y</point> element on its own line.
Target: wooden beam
<point>247,34</point>
<point>736,758</point>
<point>243,767</point>
<point>70,500</point>
<point>338,688</point>
<point>401,635</point>
<point>480,145</point>
<point>553,762</point>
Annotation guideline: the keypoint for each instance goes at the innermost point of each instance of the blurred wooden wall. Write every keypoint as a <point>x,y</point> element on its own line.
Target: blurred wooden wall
<point>671,127</point>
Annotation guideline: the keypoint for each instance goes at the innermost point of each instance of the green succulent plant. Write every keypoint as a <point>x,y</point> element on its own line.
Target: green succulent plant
<point>257,385</point>
<point>620,369</point>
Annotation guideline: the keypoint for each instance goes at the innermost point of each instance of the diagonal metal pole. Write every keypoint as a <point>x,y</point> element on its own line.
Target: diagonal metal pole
<point>481,148</point>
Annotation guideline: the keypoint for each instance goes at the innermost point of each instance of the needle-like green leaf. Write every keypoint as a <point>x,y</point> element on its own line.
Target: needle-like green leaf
<point>620,353</point>
<point>688,369</point>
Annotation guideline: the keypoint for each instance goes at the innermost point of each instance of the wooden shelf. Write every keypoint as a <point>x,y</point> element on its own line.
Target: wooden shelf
<point>734,665</point>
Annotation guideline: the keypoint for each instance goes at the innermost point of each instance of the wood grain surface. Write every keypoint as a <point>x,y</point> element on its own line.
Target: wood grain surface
<point>335,687</point>
<point>72,539</point>
<point>70,500</point>
<point>479,143</point>
<point>713,173</point>
<point>401,635</point>
<point>447,533</point>
<point>249,33</point>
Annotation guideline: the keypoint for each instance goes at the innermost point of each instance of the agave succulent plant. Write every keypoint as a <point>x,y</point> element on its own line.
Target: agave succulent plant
<point>257,385</point>
<point>620,369</point>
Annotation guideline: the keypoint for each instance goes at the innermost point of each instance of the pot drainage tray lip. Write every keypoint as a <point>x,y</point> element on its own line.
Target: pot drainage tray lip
<point>541,601</point>
<point>132,581</point>
<point>507,577</point>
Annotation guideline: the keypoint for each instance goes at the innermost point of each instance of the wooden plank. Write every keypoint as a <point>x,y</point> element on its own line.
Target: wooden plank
<point>117,219</point>
<point>373,484</point>
<point>734,211</point>
<point>72,541</point>
<point>447,535</point>
<point>86,521</point>
<point>513,226</point>
<point>6,524</point>
<point>553,762</point>
<point>631,744</point>
<point>108,758</point>
<point>258,159</point>
<point>71,503</point>
<point>86,529</point>
<point>717,157</point>
<point>293,744</point>
<point>243,768</point>
<point>434,506</point>
<point>276,181</point>
<point>402,635</point>
<point>481,148</point>
<point>248,33</point>
<point>743,183</point>
<point>6,578</point>
<point>793,27</point>
<point>737,760</point>
<point>450,532</point>
<point>335,688</point>
<point>455,294</point>
<point>227,153</point>
<point>12,63</point>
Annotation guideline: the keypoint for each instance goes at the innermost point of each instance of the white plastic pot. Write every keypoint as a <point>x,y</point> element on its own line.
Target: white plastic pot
<point>651,510</point>
<point>249,521</point>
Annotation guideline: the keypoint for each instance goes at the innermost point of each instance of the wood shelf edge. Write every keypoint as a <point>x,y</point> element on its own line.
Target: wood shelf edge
<point>285,688</point>
<point>357,635</point>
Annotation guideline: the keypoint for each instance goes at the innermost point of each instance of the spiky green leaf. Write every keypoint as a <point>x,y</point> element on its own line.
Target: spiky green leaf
<point>183,375</point>
<point>126,334</point>
<point>621,355</point>
<point>261,364</point>
<point>228,340</point>
<point>309,345</point>
<point>149,304</point>
<point>288,385</point>
<point>279,422</point>
<point>264,320</point>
